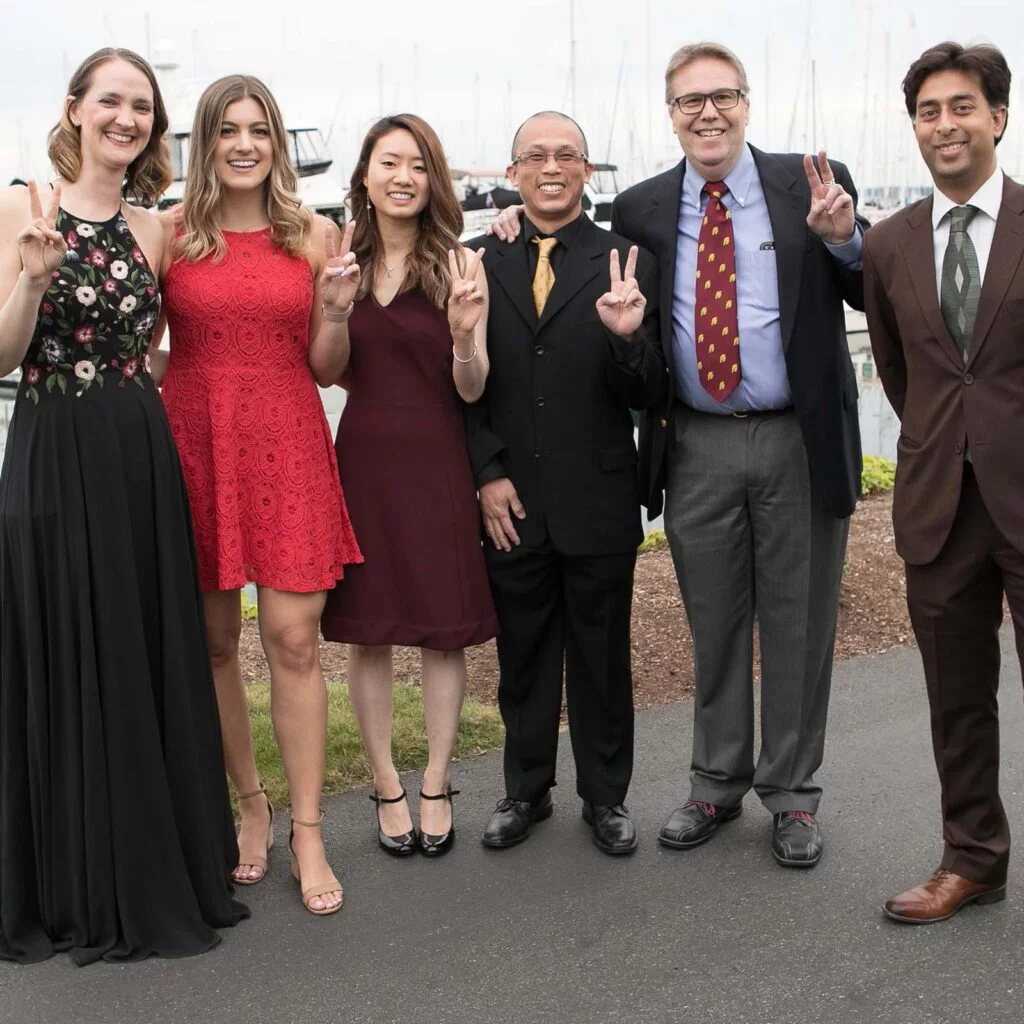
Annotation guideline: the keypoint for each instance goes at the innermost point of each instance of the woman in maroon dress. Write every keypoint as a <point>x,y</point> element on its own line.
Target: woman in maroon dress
<point>243,286</point>
<point>415,350</point>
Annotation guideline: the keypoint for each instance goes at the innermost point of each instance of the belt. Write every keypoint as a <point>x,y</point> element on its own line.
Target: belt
<point>749,413</point>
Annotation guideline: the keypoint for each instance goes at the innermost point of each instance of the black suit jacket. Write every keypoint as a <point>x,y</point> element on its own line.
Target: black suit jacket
<point>555,414</point>
<point>812,288</point>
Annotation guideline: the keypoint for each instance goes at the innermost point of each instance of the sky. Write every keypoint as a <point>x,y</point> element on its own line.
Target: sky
<point>475,70</point>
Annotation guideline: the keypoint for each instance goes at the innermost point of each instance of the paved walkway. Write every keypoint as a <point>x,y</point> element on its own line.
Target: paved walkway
<point>553,931</point>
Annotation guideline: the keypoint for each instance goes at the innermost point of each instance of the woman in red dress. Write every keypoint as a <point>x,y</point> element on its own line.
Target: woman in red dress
<point>415,349</point>
<point>244,285</point>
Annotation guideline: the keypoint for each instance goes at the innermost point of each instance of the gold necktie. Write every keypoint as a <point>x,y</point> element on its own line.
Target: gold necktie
<point>543,276</point>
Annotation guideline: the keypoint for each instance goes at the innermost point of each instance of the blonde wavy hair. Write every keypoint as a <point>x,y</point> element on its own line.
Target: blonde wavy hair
<point>290,221</point>
<point>440,220</point>
<point>149,174</point>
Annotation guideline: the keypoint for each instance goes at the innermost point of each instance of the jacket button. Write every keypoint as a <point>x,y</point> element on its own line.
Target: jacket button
<point>540,401</point>
<point>958,447</point>
<point>968,378</point>
<point>538,350</point>
<point>536,453</point>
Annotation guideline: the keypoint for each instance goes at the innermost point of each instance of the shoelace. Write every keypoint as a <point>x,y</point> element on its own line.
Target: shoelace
<point>800,816</point>
<point>709,809</point>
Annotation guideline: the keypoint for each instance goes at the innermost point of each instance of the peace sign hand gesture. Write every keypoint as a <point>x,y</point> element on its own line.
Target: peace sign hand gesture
<point>466,302</point>
<point>831,217</point>
<point>40,244</point>
<point>340,279</point>
<point>621,308</point>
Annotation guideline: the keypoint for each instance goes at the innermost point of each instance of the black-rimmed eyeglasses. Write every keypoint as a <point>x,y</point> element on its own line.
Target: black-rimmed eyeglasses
<point>537,158</point>
<point>723,99</point>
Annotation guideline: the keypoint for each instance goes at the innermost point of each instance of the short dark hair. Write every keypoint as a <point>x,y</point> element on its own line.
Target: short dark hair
<point>982,61</point>
<point>550,113</point>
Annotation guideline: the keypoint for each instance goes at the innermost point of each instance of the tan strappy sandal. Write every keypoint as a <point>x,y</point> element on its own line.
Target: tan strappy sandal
<point>258,862</point>
<point>314,890</point>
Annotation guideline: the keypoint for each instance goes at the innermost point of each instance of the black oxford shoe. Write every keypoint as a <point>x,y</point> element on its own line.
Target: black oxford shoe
<point>513,820</point>
<point>695,823</point>
<point>796,839</point>
<point>612,827</point>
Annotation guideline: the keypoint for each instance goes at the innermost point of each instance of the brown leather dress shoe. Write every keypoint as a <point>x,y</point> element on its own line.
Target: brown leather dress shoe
<point>940,898</point>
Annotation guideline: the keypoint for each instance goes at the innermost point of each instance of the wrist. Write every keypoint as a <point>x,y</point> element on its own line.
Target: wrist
<point>36,284</point>
<point>464,339</point>
<point>337,316</point>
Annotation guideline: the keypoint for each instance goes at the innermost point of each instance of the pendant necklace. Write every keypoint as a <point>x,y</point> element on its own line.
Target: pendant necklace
<point>390,270</point>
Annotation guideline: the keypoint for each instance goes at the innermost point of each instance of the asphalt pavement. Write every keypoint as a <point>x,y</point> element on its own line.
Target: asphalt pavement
<point>554,931</point>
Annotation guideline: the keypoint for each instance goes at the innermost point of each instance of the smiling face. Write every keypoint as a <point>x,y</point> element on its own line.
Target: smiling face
<point>244,153</point>
<point>114,115</point>
<point>396,177</point>
<point>956,132</point>
<point>712,139</point>
<point>551,189</point>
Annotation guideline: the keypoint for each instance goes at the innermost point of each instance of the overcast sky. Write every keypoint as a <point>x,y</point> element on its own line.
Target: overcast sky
<point>476,68</point>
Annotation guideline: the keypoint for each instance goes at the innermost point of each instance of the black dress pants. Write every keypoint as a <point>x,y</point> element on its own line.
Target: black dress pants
<point>570,611</point>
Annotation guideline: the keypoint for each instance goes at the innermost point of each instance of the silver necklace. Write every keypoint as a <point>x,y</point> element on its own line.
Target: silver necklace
<point>390,270</point>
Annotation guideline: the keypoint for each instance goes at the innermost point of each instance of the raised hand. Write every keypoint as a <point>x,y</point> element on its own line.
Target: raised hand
<point>507,225</point>
<point>340,279</point>
<point>621,308</point>
<point>40,244</point>
<point>831,217</point>
<point>466,302</point>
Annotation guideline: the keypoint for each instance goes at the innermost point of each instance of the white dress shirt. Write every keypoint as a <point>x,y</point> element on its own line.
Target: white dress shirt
<point>982,227</point>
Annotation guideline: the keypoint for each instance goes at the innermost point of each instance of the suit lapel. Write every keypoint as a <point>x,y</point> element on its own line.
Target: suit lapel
<point>1003,261</point>
<point>580,265</point>
<point>511,271</point>
<point>919,255</point>
<point>787,211</point>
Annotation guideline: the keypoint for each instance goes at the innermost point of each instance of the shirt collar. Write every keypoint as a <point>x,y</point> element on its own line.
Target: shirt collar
<point>987,199</point>
<point>738,181</point>
<point>565,234</point>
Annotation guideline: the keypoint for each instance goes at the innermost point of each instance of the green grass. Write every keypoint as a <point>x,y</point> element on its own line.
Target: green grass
<point>654,540</point>
<point>878,474</point>
<point>480,729</point>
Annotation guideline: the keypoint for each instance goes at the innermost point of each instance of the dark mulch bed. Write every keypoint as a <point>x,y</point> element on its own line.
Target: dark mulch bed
<point>872,618</point>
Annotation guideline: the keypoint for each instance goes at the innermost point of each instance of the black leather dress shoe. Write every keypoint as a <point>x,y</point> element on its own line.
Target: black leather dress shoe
<point>695,823</point>
<point>513,820</point>
<point>796,839</point>
<point>613,829</point>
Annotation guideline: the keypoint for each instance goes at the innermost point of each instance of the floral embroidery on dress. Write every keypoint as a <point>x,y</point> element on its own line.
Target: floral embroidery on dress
<point>97,317</point>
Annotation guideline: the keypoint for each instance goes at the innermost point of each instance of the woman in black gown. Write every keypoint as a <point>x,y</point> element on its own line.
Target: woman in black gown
<point>116,839</point>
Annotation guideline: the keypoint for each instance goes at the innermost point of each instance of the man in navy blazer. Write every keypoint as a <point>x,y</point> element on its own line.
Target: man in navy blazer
<point>760,466</point>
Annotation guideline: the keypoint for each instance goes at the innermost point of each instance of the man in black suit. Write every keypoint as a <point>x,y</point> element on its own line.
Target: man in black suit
<point>573,344</point>
<point>757,445</point>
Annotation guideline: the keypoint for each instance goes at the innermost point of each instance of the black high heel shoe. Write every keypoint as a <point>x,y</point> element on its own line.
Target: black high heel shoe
<point>397,846</point>
<point>434,846</point>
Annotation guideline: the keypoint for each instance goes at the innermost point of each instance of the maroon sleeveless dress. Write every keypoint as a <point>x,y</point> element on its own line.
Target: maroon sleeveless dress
<point>401,450</point>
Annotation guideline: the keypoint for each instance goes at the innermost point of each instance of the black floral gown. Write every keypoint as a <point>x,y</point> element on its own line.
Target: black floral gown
<point>116,839</point>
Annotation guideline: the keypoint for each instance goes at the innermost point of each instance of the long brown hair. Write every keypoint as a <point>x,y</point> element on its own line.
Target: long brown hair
<point>290,221</point>
<point>149,174</point>
<point>440,220</point>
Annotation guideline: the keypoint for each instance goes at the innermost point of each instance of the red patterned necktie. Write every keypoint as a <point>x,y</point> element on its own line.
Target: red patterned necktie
<point>715,321</point>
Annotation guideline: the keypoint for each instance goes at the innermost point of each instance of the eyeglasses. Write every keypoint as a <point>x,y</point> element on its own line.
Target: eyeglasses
<point>723,99</point>
<point>537,158</point>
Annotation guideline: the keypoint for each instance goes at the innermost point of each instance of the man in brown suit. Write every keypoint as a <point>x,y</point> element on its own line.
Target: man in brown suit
<point>944,290</point>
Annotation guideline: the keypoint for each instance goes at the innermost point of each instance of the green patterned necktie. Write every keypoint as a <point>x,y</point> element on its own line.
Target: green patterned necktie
<point>961,279</point>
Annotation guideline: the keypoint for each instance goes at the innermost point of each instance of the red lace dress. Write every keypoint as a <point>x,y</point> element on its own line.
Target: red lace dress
<point>255,446</point>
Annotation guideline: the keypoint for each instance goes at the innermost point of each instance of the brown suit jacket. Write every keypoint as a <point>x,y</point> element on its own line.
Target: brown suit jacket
<point>942,402</point>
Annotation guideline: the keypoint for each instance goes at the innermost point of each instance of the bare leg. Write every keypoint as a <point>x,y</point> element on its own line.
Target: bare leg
<point>370,682</point>
<point>444,688</point>
<point>223,627</point>
<point>298,704</point>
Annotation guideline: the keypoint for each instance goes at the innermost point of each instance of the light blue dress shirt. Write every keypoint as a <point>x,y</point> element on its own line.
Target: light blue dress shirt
<point>764,383</point>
